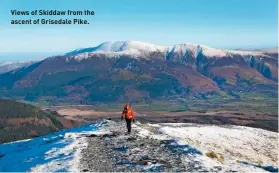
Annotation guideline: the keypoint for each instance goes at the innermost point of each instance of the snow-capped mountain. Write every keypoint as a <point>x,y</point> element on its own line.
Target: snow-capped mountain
<point>183,70</point>
<point>8,66</point>
<point>124,47</point>
<point>144,50</point>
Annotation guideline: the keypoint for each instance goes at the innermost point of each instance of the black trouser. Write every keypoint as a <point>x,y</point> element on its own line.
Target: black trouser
<point>129,124</point>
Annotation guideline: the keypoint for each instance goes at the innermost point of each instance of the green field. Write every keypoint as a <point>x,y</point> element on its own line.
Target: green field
<point>245,101</point>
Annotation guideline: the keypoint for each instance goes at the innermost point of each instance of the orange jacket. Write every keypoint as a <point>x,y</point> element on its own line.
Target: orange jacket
<point>128,112</point>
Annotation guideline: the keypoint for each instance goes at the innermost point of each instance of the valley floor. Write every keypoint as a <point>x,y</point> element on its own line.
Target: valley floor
<point>267,120</point>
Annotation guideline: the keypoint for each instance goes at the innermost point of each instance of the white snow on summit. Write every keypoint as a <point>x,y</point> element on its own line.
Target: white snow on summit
<point>114,49</point>
<point>128,46</point>
<point>137,49</point>
<point>195,49</point>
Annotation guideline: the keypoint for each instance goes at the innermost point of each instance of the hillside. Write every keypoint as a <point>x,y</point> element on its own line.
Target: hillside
<point>136,71</point>
<point>22,121</point>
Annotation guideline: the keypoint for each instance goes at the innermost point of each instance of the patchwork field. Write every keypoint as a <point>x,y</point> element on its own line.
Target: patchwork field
<point>257,110</point>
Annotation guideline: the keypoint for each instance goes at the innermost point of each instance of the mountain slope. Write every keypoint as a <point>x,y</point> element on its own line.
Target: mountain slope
<point>135,71</point>
<point>20,121</point>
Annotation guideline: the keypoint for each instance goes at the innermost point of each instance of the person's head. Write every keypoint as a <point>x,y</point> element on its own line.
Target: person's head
<point>127,106</point>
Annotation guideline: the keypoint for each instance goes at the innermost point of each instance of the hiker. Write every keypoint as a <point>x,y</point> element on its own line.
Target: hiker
<point>129,116</point>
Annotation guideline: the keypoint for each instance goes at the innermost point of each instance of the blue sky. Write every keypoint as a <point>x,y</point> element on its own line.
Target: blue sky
<point>216,23</point>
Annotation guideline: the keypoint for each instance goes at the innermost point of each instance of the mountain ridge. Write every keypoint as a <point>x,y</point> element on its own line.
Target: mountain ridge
<point>137,47</point>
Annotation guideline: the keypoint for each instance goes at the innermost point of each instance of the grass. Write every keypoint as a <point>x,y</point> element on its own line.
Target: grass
<point>265,104</point>
<point>162,106</point>
<point>246,101</point>
<point>223,101</point>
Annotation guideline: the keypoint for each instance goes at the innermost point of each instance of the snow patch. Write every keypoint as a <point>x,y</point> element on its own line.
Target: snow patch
<point>234,142</point>
<point>66,158</point>
<point>56,152</point>
<point>233,145</point>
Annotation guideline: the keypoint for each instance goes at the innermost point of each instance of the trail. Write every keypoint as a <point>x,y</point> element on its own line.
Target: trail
<point>155,147</point>
<point>170,147</point>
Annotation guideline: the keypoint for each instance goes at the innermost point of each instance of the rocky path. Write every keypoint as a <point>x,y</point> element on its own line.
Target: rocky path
<point>178,148</point>
<point>95,158</point>
<point>114,151</point>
